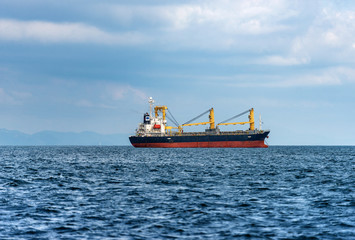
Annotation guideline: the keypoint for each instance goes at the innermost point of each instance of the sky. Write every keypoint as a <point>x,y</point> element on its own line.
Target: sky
<point>90,65</point>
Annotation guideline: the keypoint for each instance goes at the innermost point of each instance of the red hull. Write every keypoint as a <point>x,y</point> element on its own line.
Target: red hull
<point>219,144</point>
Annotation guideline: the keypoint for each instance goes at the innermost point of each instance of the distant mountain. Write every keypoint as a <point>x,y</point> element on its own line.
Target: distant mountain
<point>11,137</point>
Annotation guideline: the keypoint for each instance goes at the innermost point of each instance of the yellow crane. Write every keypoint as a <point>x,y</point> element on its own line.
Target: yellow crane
<point>251,120</point>
<point>210,122</point>
<point>163,109</point>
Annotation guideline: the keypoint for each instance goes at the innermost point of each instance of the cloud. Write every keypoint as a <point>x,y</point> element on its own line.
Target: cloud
<point>282,61</point>
<point>332,76</point>
<point>282,28</point>
<point>89,104</point>
<point>206,25</point>
<point>276,103</point>
<point>291,33</point>
<point>276,33</point>
<point>329,38</point>
<point>323,79</point>
<point>326,77</point>
<point>5,98</point>
<point>49,32</point>
<point>108,95</point>
<point>13,97</point>
<point>117,92</point>
<point>237,17</point>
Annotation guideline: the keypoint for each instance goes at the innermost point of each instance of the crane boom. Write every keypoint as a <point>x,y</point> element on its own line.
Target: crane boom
<point>233,123</point>
<point>196,117</point>
<point>195,124</point>
<point>211,118</point>
<point>251,119</point>
<point>229,119</point>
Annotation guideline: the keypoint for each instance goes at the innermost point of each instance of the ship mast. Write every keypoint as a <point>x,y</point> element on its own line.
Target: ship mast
<point>151,103</point>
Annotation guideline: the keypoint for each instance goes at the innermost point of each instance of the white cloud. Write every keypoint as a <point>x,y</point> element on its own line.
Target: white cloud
<point>307,80</point>
<point>330,38</point>
<point>347,75</point>
<point>5,97</point>
<point>236,17</point>
<point>13,97</point>
<point>274,29</point>
<point>118,92</point>
<point>274,102</point>
<point>207,25</point>
<point>98,94</point>
<point>89,104</point>
<point>49,32</point>
<point>283,61</point>
<point>332,76</point>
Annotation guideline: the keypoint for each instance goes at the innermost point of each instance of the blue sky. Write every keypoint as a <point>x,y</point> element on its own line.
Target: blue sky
<point>91,65</point>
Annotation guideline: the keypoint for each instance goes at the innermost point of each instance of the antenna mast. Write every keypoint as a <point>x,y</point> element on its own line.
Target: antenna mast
<point>151,103</point>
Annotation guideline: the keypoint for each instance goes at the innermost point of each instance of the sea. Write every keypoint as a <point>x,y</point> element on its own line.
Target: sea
<point>121,192</point>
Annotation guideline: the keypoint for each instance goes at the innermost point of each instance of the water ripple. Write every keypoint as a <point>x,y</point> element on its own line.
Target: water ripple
<point>128,193</point>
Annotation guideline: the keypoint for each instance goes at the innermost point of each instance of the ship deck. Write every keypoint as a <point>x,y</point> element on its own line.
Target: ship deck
<point>238,132</point>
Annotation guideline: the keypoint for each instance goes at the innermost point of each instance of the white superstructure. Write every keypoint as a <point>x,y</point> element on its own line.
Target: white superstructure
<point>153,125</point>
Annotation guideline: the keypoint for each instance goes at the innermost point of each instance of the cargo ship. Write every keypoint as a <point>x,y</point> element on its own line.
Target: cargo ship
<point>154,132</point>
